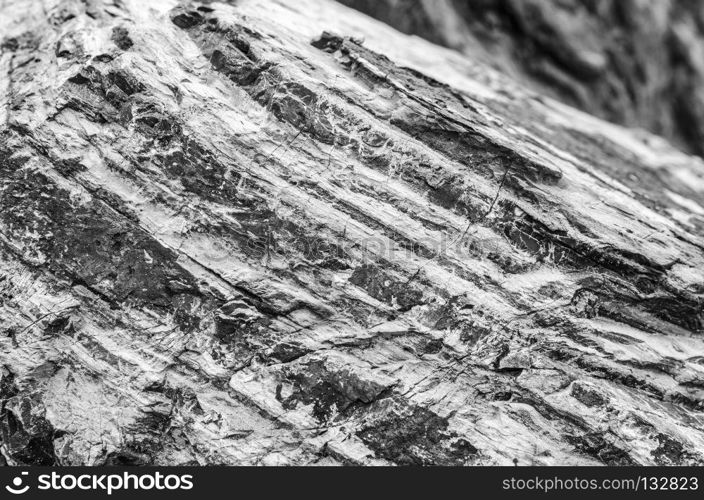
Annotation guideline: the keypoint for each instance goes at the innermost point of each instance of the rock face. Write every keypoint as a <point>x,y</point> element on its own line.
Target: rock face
<point>236,234</point>
<point>634,62</point>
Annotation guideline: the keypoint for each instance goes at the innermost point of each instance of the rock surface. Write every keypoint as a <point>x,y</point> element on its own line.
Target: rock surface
<point>237,234</point>
<point>634,62</point>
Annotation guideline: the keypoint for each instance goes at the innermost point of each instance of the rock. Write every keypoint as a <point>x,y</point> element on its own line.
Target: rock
<point>631,62</point>
<point>268,232</point>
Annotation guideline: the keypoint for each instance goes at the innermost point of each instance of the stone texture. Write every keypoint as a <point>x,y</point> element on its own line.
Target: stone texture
<point>239,234</point>
<point>634,62</point>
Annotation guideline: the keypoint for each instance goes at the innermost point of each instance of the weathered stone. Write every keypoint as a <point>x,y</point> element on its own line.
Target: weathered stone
<point>238,233</point>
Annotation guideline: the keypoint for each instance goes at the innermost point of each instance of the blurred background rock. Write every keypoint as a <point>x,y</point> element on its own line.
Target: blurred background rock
<point>638,63</point>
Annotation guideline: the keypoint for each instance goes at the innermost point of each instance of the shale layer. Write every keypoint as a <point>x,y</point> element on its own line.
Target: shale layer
<point>282,233</point>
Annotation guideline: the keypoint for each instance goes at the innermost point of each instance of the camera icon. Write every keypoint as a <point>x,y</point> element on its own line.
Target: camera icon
<point>17,488</point>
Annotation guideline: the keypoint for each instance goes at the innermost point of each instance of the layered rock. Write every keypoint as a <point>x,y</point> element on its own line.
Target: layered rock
<point>283,233</point>
<point>634,62</point>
